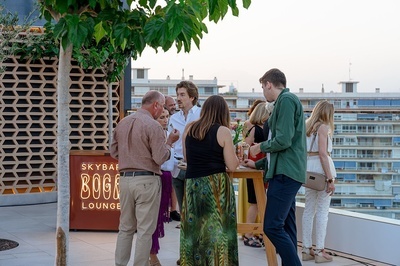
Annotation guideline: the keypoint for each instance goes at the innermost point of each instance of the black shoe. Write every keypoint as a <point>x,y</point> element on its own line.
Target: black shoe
<point>178,262</point>
<point>175,216</point>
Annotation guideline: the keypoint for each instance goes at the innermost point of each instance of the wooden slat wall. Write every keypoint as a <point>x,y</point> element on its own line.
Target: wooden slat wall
<point>28,121</point>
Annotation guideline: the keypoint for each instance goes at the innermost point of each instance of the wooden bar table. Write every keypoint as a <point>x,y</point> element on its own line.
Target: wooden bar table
<point>257,176</point>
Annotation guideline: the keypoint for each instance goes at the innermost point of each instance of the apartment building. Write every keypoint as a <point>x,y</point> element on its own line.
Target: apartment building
<point>142,84</point>
<point>366,148</point>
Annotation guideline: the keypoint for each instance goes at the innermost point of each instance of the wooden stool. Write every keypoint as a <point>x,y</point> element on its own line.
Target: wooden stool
<point>257,176</point>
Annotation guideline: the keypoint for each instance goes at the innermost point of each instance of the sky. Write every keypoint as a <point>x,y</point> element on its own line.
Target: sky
<point>314,42</point>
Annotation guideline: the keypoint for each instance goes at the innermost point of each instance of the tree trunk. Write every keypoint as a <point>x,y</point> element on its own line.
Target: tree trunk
<point>63,195</point>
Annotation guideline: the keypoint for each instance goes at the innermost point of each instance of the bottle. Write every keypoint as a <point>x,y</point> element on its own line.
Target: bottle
<point>245,149</point>
<point>239,151</point>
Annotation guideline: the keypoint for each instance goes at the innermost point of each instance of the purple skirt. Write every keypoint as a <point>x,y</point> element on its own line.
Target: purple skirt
<point>163,214</point>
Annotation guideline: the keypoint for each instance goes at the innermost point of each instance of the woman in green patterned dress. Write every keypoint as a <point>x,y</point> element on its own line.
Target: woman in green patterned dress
<point>208,225</point>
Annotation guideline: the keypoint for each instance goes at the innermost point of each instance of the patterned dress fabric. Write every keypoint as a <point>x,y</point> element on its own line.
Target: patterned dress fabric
<point>208,227</point>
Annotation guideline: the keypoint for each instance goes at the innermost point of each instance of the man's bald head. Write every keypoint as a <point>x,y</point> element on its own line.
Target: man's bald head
<point>153,101</point>
<point>170,104</point>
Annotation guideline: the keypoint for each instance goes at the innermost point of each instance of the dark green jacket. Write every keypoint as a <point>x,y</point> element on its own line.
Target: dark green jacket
<point>287,146</point>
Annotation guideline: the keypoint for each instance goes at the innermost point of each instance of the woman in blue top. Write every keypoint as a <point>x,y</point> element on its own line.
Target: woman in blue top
<point>208,221</point>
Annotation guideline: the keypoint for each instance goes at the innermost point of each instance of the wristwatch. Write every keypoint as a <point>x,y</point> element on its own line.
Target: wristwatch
<point>330,180</point>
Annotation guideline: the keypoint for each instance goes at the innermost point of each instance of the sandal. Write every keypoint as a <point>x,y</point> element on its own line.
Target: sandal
<point>153,260</point>
<point>251,242</point>
<point>307,254</point>
<point>321,256</point>
<point>261,240</point>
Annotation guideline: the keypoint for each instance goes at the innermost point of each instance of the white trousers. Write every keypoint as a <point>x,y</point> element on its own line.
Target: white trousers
<point>316,206</point>
<point>140,202</point>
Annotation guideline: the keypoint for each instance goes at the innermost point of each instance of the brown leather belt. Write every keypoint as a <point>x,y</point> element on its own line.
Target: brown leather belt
<point>137,173</point>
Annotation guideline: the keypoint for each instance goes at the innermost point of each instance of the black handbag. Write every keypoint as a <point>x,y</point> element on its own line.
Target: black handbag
<point>314,180</point>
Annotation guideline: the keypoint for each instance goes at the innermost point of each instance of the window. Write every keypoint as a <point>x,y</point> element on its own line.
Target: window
<point>365,102</point>
<point>350,165</point>
<point>349,87</point>
<point>350,141</point>
<point>383,129</point>
<point>349,177</point>
<point>365,178</point>
<point>396,165</point>
<point>382,102</point>
<point>365,166</point>
<point>339,165</point>
<point>345,153</point>
<point>349,117</point>
<point>349,128</point>
<point>395,102</point>
<point>362,129</point>
<point>140,73</point>
<point>368,117</point>
<point>365,153</point>
<point>162,89</point>
<point>209,90</point>
<point>337,141</point>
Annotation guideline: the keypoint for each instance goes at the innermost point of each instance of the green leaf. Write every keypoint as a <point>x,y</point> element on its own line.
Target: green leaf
<point>81,34</point>
<point>235,11</point>
<point>143,3</point>
<point>246,3</point>
<point>60,29</point>
<point>120,32</point>
<point>61,6</point>
<point>92,3</point>
<point>152,3</point>
<point>72,28</point>
<point>47,15</point>
<point>123,44</point>
<point>99,32</point>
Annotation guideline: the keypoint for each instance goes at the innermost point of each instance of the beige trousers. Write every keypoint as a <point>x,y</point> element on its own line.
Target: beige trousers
<point>140,202</point>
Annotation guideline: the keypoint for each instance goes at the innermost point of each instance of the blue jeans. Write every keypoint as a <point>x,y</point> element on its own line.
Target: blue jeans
<point>280,218</point>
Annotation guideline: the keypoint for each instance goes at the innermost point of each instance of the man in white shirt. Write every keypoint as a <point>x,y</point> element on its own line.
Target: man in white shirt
<point>170,105</point>
<point>187,96</point>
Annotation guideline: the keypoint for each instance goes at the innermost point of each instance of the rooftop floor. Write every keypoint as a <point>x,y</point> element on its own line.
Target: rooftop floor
<point>33,227</point>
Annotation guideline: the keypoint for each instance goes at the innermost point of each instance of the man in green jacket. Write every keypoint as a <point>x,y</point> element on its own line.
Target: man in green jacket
<point>287,158</point>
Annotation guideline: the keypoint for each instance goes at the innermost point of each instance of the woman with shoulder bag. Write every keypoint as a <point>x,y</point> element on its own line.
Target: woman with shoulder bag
<point>318,160</point>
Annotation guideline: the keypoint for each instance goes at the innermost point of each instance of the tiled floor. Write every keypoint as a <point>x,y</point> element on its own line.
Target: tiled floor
<point>33,227</point>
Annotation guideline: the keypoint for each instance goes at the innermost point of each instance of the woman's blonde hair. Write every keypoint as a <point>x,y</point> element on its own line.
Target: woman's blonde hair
<point>259,114</point>
<point>321,114</point>
<point>215,110</point>
<point>253,106</point>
